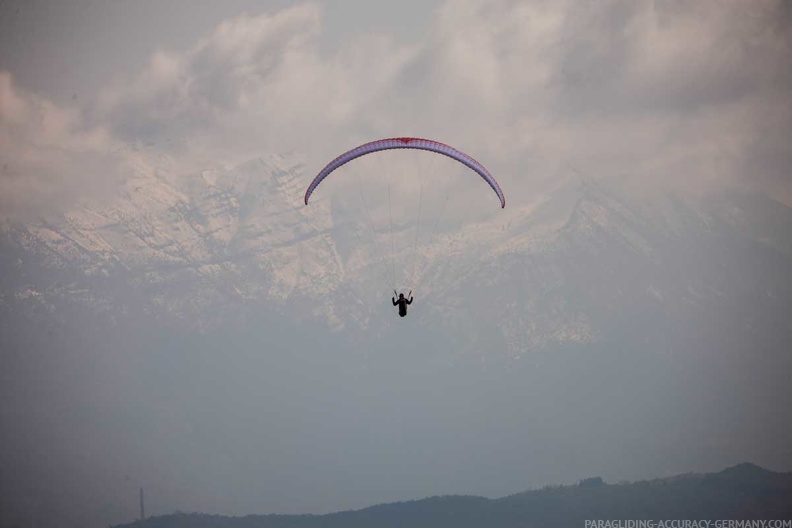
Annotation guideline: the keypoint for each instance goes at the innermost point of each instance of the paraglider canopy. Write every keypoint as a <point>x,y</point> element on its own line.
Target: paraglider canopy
<point>406,143</point>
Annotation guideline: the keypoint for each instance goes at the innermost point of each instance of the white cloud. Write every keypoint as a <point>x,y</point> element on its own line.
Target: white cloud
<point>255,84</point>
<point>48,157</point>
<point>666,91</point>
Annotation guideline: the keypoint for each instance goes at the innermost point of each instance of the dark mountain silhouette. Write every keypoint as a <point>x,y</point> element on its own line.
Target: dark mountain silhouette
<point>745,491</point>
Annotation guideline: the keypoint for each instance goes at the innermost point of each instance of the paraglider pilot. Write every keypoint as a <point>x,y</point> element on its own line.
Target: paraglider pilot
<point>402,303</point>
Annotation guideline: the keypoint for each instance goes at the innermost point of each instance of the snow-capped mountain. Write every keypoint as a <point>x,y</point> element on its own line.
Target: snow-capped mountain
<point>570,267</point>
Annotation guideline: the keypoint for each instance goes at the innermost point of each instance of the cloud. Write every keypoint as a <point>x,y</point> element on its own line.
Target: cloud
<point>181,96</point>
<point>673,93</point>
<point>48,157</point>
<point>655,89</point>
<point>255,84</point>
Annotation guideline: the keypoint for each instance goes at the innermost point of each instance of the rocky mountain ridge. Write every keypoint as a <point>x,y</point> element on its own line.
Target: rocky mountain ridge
<point>561,269</point>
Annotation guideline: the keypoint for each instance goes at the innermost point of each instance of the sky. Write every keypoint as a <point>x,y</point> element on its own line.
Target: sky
<point>692,97</point>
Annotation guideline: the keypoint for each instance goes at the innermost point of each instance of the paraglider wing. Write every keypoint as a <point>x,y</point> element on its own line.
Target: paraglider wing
<point>406,143</point>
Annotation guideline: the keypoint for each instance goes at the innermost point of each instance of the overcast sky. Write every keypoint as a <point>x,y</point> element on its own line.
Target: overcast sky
<point>693,96</point>
<point>696,93</point>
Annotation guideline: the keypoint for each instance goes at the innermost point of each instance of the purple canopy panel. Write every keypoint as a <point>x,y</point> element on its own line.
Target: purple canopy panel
<point>406,143</point>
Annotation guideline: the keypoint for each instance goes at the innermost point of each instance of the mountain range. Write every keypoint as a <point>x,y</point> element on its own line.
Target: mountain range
<point>743,492</point>
<point>577,264</point>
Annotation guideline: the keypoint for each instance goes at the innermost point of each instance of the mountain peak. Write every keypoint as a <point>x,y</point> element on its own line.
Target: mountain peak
<point>745,470</point>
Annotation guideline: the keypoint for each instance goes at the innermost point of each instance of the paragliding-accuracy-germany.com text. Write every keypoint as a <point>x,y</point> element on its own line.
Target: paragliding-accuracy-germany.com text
<point>677,523</point>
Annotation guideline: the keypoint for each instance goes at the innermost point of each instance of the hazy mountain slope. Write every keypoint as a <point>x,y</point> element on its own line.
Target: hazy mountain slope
<point>566,268</point>
<point>742,492</point>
